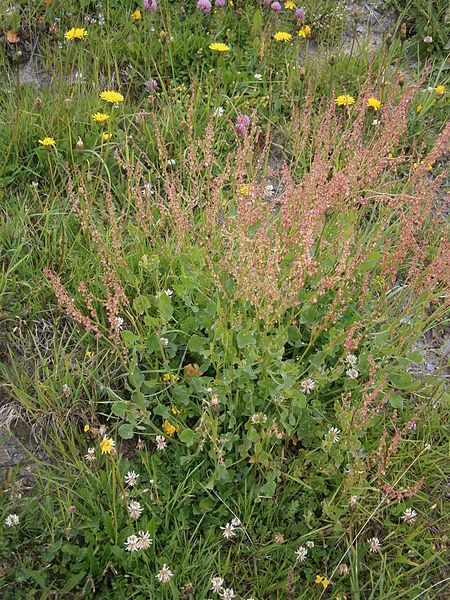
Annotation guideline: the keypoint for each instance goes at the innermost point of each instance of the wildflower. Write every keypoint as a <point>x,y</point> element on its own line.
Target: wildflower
<point>258,76</point>
<point>140,444</point>
<point>310,544</point>
<point>308,385</point>
<point>136,16</point>
<point>112,97</point>
<point>76,33</point>
<point>86,428</point>
<point>242,124</point>
<point>289,5</point>
<point>270,191</point>
<point>47,142</point>
<point>90,456</point>
<point>168,292</point>
<point>219,47</point>
<point>318,579</point>
<point>144,540</point>
<point>428,39</point>
<point>301,553</point>
<point>135,510</point>
<point>228,594</point>
<point>244,190</point>
<point>343,569</point>
<point>304,32</point>
<point>275,6</point>
<point>374,103</point>
<point>216,584</point>
<point>118,322</point>
<point>165,574</point>
<point>334,433</point>
<point>374,545</point>
<point>219,112</point>
<point>440,90</point>
<point>66,390</point>
<point>160,441</point>
<point>299,14</point>
<point>131,478</point>
<point>351,359</point>
<point>219,3</point>
<point>419,108</point>
<point>409,516</point>
<point>151,85</point>
<point>132,543</point>
<point>106,136</point>
<point>278,538</point>
<point>204,6</point>
<point>100,117</point>
<point>228,531</point>
<point>12,520</point>
<point>352,373</point>
<point>375,122</point>
<point>345,100</point>
<point>107,445</point>
<point>235,522</point>
<point>282,36</point>
<point>169,429</point>
<point>150,6</point>
<point>102,430</point>
<point>325,583</point>
<point>353,501</point>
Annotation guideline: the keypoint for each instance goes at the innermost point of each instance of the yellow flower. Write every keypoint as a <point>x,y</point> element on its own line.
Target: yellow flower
<point>244,190</point>
<point>175,410</point>
<point>169,429</point>
<point>318,579</point>
<point>390,155</point>
<point>374,103</point>
<point>429,167</point>
<point>419,108</point>
<point>282,36</point>
<point>137,15</point>
<point>289,5</point>
<point>89,353</point>
<point>440,90</point>
<point>100,117</point>
<point>47,141</point>
<point>166,377</point>
<point>304,32</point>
<point>86,428</point>
<point>219,47</point>
<point>112,97</point>
<point>106,136</point>
<point>76,33</point>
<point>107,445</point>
<point>345,100</point>
<point>325,583</point>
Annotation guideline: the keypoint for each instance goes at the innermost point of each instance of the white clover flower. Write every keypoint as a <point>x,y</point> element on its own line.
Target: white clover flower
<point>171,162</point>
<point>334,433</point>
<point>270,190</point>
<point>308,385</point>
<point>256,418</point>
<point>168,292</point>
<point>301,553</point>
<point>228,531</point>
<point>258,76</point>
<point>216,584</point>
<point>352,373</point>
<point>144,540</point>
<point>165,574</point>
<point>228,594</point>
<point>343,569</point>
<point>375,122</point>
<point>428,39</point>
<point>131,478</point>
<point>164,341</point>
<point>351,360</point>
<point>310,544</point>
<point>12,520</point>
<point>375,545</point>
<point>235,522</point>
<point>409,516</point>
<point>118,322</point>
<point>90,456</point>
<point>160,441</point>
<point>132,543</point>
<point>135,510</point>
<point>102,430</point>
<point>353,501</point>
<point>219,112</point>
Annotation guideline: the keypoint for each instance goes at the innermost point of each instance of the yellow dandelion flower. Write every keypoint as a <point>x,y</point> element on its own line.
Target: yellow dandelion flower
<point>47,141</point>
<point>390,156</point>
<point>106,136</point>
<point>137,15</point>
<point>86,428</point>
<point>304,32</point>
<point>166,377</point>
<point>107,445</point>
<point>76,33</point>
<point>89,354</point>
<point>289,5</point>
<point>175,410</point>
<point>112,97</point>
<point>440,90</point>
<point>244,190</point>
<point>219,47</point>
<point>345,100</point>
<point>374,103</point>
<point>318,579</point>
<point>100,117</point>
<point>419,108</point>
<point>325,583</point>
<point>282,36</point>
<point>168,428</point>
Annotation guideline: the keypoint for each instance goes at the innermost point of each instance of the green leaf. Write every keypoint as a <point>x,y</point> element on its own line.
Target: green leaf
<point>396,401</point>
<point>197,343</point>
<point>245,338</point>
<point>74,580</point>
<point>126,431</point>
<point>119,409</point>
<point>187,436</point>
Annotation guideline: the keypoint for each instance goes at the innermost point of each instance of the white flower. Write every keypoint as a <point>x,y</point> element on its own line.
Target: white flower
<point>216,584</point>
<point>171,162</point>
<point>308,385</point>
<point>256,418</point>
<point>131,478</point>
<point>258,76</point>
<point>169,292</point>
<point>90,456</point>
<point>301,553</point>
<point>236,522</point>
<point>375,122</point>
<point>214,403</point>
<point>165,574</point>
<point>164,341</point>
<point>66,390</point>
<point>310,544</point>
<point>352,373</point>
<point>132,543</point>
<point>160,441</point>
<point>219,112</point>
<point>144,540</point>
<point>102,430</point>
<point>409,516</point>
<point>351,360</point>
<point>228,531</point>
<point>270,190</point>
<point>135,510</point>
<point>375,545</point>
<point>12,520</point>
<point>334,433</point>
<point>353,501</point>
<point>118,322</point>
<point>343,569</point>
<point>228,594</point>
<point>428,39</point>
